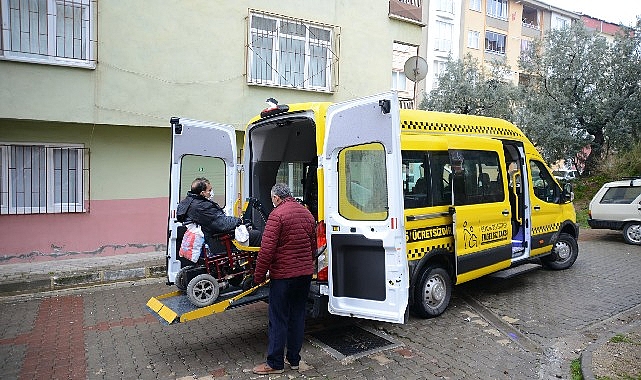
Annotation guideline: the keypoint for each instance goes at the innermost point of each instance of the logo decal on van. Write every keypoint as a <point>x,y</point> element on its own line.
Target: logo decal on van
<point>493,232</point>
<point>428,233</point>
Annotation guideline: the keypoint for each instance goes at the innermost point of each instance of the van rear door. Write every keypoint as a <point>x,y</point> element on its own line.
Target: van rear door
<point>198,149</point>
<point>363,192</point>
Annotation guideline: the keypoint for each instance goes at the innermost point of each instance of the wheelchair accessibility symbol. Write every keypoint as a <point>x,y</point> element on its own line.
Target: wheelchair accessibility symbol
<point>469,237</point>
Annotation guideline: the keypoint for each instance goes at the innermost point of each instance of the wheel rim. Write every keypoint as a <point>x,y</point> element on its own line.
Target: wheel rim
<point>204,290</point>
<point>435,290</point>
<point>634,233</point>
<point>563,250</point>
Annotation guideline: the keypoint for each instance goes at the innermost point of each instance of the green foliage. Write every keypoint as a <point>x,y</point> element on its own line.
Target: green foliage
<point>583,90</point>
<point>612,168</point>
<point>575,370</point>
<point>466,87</point>
<point>624,164</point>
<point>619,338</point>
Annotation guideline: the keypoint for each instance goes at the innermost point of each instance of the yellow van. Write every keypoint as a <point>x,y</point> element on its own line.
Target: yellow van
<point>408,202</point>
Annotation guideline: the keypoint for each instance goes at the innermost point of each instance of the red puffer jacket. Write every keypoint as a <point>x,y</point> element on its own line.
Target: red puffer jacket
<point>289,241</point>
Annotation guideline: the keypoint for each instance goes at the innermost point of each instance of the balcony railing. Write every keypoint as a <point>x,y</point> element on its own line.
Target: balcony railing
<point>407,9</point>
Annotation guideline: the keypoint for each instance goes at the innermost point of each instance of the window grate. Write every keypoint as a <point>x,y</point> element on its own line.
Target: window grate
<point>52,31</point>
<point>39,179</point>
<point>290,53</point>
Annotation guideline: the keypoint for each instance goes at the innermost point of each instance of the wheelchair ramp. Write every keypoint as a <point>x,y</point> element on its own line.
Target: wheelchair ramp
<point>175,307</point>
<point>351,342</point>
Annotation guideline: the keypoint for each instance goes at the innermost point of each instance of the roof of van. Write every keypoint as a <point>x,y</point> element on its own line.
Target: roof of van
<point>451,123</point>
<point>420,121</point>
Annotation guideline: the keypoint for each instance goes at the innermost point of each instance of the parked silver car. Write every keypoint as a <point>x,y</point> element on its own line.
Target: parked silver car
<point>617,206</point>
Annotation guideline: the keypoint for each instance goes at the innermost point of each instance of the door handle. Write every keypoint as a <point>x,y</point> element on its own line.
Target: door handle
<point>537,208</point>
<point>505,212</point>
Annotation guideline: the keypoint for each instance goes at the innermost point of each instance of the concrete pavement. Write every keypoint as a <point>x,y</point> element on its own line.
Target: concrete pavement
<point>68,273</point>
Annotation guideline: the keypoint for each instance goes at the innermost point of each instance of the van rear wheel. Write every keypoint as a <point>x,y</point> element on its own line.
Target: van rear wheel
<point>433,293</point>
<point>632,233</point>
<point>564,253</point>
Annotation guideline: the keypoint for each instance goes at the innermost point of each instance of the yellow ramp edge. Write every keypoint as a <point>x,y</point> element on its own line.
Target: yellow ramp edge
<point>217,307</point>
<point>163,311</point>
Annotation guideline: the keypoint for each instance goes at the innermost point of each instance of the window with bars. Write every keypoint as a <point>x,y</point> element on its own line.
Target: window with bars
<point>38,179</point>
<point>495,42</point>
<point>475,5</point>
<point>49,31</point>
<point>290,53</point>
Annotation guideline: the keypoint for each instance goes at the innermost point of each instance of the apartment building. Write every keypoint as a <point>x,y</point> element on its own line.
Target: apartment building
<point>602,27</point>
<point>89,86</point>
<point>500,30</point>
<point>443,37</point>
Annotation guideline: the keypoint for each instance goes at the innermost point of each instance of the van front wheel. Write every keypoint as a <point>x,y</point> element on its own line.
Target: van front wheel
<point>564,253</point>
<point>433,293</point>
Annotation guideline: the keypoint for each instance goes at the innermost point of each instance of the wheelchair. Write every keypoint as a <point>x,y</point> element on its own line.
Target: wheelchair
<point>224,266</point>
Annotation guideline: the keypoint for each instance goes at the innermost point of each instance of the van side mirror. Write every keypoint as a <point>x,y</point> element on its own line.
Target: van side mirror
<point>567,195</point>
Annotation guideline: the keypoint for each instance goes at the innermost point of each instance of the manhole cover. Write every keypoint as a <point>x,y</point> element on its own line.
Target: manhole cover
<point>351,341</point>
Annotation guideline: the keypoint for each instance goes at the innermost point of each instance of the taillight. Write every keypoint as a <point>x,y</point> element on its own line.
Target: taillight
<point>322,274</point>
<point>321,238</point>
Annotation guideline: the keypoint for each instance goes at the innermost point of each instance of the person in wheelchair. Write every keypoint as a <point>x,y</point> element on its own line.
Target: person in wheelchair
<point>199,207</point>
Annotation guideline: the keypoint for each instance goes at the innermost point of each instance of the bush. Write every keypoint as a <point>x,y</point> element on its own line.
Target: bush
<point>612,168</point>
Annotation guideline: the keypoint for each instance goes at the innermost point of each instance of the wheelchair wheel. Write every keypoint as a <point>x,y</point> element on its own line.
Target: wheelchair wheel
<point>203,290</point>
<point>180,282</point>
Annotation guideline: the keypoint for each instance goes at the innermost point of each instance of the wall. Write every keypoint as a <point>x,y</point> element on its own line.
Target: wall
<point>127,206</point>
<point>157,59</point>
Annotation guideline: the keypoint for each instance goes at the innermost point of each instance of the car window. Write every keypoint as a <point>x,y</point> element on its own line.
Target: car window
<point>544,187</point>
<point>621,195</point>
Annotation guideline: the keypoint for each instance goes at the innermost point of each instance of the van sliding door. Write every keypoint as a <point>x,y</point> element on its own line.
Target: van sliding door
<point>482,224</point>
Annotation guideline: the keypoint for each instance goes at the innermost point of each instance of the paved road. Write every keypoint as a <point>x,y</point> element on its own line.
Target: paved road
<point>526,327</point>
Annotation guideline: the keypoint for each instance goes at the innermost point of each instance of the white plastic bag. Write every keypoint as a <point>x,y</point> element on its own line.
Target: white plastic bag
<point>192,243</point>
<point>241,234</point>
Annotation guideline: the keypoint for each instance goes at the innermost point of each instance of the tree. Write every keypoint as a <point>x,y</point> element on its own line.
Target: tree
<point>467,87</point>
<point>583,91</point>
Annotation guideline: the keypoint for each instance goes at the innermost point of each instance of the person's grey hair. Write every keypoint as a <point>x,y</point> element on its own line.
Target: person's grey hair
<point>281,190</point>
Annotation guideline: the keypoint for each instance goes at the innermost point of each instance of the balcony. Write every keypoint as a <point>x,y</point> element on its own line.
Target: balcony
<point>407,10</point>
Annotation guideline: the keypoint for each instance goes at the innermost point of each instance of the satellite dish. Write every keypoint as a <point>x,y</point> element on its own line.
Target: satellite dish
<point>415,68</point>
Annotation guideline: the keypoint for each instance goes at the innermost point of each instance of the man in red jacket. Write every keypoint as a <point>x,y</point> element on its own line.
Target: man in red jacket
<point>286,250</point>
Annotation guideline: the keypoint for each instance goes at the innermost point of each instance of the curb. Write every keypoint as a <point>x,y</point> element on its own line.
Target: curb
<point>97,276</point>
<point>586,355</point>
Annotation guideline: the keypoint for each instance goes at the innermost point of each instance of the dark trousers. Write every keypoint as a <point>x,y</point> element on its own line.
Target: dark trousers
<point>287,298</point>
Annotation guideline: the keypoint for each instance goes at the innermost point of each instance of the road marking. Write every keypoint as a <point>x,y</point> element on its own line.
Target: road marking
<point>505,328</point>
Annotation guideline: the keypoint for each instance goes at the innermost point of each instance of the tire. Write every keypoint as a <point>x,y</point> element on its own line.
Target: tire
<point>632,233</point>
<point>433,293</point>
<point>180,278</point>
<point>564,253</point>
<point>203,290</point>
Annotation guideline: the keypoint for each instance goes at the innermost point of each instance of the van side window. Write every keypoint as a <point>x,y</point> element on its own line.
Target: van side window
<point>425,179</point>
<point>476,177</point>
<point>212,168</point>
<point>543,185</point>
<point>362,182</point>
